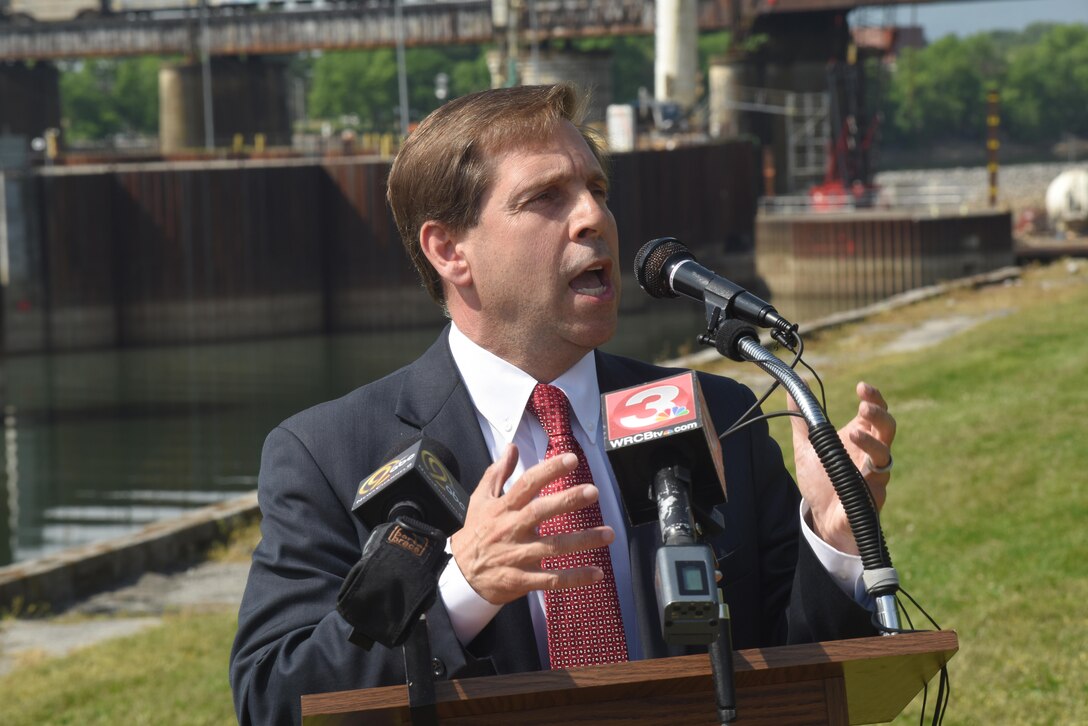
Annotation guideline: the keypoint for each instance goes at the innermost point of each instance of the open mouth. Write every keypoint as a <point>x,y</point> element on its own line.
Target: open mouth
<point>593,282</point>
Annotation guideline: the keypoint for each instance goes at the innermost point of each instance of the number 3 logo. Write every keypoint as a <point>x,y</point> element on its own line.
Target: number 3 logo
<point>659,399</point>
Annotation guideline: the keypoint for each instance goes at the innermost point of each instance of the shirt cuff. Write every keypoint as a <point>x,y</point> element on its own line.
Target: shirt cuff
<point>845,569</point>
<point>469,613</point>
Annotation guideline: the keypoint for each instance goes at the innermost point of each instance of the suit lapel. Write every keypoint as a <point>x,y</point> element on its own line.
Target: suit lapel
<point>435,401</point>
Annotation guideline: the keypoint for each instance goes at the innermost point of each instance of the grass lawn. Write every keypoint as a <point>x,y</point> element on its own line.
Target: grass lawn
<point>987,514</point>
<point>986,519</point>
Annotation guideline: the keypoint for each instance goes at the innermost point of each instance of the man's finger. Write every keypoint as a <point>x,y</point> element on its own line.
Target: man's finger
<point>539,476</point>
<point>879,419</point>
<point>495,476</point>
<point>879,453</point>
<point>871,394</point>
<point>569,500</point>
<point>568,542</point>
<point>560,579</point>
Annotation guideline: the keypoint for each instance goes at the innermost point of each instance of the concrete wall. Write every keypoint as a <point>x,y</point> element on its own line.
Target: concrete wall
<point>48,584</point>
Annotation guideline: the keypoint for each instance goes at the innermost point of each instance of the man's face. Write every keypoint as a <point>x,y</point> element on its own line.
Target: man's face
<point>544,255</point>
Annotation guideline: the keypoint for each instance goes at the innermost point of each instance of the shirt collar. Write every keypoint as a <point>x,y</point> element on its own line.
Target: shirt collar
<point>500,390</point>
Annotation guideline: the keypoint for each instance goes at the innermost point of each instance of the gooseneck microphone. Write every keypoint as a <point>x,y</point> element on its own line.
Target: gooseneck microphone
<point>665,268</point>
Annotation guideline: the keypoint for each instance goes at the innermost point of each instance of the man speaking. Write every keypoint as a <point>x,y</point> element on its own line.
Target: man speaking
<point>501,201</point>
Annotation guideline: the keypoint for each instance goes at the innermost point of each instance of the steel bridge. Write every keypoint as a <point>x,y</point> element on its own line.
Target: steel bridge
<point>370,25</point>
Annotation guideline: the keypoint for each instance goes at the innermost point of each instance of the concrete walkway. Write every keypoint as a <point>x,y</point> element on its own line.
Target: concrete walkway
<point>124,611</point>
<point>81,596</point>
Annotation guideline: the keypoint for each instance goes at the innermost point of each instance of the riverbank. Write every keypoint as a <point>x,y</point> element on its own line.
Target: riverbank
<point>985,513</point>
<point>120,587</point>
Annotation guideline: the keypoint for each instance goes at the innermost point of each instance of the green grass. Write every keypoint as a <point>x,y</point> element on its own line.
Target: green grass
<point>987,514</point>
<point>987,521</point>
<point>174,674</point>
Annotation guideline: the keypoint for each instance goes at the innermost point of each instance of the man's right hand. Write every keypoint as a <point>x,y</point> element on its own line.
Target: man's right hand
<point>499,550</point>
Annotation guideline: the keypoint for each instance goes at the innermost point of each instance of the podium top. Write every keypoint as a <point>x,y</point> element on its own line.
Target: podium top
<point>863,680</point>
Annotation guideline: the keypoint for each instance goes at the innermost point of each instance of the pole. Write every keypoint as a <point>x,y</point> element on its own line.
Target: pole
<point>402,72</point>
<point>993,123</point>
<point>206,78</point>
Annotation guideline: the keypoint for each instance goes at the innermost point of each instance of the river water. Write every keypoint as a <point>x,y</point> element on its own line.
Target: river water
<point>101,443</point>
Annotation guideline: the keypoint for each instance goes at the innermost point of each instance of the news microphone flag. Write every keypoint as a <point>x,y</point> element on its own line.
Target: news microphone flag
<point>416,474</point>
<point>663,422</point>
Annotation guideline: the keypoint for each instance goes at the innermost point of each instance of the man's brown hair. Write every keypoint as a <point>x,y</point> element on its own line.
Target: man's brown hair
<point>446,165</point>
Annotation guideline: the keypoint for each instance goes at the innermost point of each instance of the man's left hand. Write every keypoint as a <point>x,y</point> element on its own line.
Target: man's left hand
<point>868,439</point>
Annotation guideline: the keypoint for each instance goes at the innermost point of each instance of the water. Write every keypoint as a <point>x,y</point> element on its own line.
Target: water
<point>99,444</point>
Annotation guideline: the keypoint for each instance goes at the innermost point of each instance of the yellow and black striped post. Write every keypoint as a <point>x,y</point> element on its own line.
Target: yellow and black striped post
<point>993,122</point>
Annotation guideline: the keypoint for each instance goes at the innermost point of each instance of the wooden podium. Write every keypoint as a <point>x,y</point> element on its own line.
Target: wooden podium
<point>866,680</point>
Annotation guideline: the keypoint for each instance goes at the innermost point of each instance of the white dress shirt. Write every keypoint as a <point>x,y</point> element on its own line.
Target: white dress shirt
<point>499,393</point>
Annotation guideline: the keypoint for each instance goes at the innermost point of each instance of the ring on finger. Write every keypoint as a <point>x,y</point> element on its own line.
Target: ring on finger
<point>874,469</point>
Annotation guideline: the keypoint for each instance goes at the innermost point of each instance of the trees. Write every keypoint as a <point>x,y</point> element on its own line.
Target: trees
<point>933,94</point>
<point>363,84</point>
<point>1046,88</point>
<point>104,97</point>
<point>938,93</point>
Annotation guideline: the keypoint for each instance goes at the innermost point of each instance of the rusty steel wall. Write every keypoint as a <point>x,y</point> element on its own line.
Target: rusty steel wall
<point>186,252</point>
<point>703,195</point>
<point>218,253</point>
<point>826,262</point>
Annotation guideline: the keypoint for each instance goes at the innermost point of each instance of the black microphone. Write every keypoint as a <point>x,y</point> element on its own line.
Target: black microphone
<point>665,268</point>
<point>410,504</point>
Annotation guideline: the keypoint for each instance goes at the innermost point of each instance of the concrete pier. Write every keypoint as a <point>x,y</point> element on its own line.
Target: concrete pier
<point>591,71</point>
<point>829,262</point>
<point>248,97</point>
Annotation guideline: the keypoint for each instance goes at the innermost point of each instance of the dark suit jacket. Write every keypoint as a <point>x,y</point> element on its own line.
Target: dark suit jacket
<point>291,641</point>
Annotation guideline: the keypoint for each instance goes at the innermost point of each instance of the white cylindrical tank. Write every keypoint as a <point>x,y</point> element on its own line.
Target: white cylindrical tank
<point>1067,200</point>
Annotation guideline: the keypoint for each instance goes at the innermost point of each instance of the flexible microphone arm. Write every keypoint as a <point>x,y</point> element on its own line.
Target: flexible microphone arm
<point>738,341</point>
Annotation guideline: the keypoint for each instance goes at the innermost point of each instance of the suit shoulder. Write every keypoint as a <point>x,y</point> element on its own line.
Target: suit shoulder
<point>341,413</point>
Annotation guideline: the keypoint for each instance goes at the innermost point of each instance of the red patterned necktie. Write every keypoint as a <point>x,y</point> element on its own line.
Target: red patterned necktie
<point>584,623</point>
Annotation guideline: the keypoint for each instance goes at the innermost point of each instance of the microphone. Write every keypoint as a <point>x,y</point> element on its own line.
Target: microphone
<point>410,504</point>
<point>665,268</point>
<point>660,441</point>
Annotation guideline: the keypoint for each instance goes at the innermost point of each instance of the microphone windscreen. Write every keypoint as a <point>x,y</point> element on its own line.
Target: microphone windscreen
<point>650,265</point>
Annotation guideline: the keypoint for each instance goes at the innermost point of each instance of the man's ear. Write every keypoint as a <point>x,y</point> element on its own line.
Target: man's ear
<point>440,248</point>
